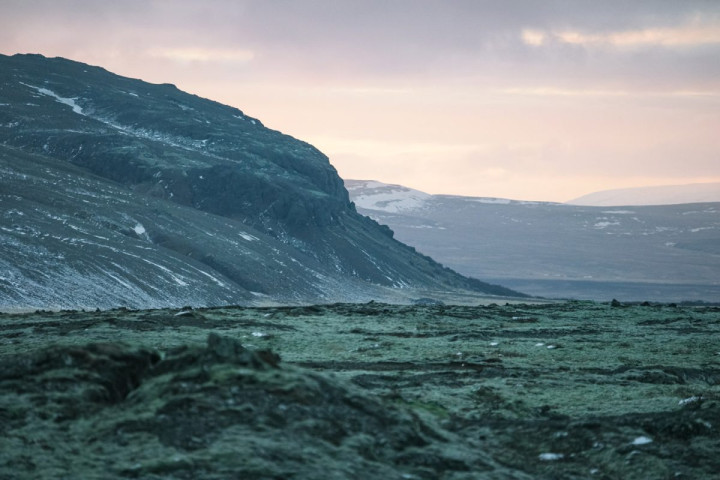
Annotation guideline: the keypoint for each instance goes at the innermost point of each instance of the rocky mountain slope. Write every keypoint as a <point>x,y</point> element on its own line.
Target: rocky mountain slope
<point>660,195</point>
<point>658,253</point>
<point>119,192</point>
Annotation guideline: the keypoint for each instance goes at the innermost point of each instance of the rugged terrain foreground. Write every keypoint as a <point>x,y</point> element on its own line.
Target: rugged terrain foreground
<point>562,391</point>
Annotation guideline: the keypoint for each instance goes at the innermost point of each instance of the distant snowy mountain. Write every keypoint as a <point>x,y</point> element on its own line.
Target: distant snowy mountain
<point>662,195</point>
<point>389,198</point>
<point>657,253</point>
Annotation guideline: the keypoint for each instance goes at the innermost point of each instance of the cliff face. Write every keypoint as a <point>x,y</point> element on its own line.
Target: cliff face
<point>159,140</point>
<point>177,161</point>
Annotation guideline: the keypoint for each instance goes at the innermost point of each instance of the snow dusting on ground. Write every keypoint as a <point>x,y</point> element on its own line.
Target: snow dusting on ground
<point>604,224</point>
<point>248,237</point>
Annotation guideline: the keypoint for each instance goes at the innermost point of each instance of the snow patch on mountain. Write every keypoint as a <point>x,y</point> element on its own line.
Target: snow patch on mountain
<point>214,279</point>
<point>172,140</point>
<point>248,237</point>
<point>388,198</point>
<point>67,101</point>
<point>491,200</point>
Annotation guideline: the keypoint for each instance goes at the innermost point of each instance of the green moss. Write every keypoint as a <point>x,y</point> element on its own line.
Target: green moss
<point>448,391</point>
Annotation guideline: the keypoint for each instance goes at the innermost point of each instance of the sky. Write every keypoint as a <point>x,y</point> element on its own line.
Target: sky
<point>524,99</point>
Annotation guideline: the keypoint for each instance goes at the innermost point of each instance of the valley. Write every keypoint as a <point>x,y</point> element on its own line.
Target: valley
<point>665,253</point>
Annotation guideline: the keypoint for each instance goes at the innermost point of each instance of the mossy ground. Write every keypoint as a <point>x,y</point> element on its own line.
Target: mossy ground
<point>561,390</point>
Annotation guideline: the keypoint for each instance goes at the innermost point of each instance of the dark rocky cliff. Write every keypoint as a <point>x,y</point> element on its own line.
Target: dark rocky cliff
<point>169,151</point>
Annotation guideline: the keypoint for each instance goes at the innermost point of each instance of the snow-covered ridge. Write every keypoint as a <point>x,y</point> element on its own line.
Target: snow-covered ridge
<point>388,198</point>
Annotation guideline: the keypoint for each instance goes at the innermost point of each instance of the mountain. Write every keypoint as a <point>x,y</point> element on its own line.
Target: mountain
<point>662,195</point>
<point>115,192</point>
<point>664,253</point>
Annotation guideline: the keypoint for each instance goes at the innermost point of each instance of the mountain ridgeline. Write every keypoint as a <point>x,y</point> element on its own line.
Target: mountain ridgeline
<point>663,253</point>
<point>115,192</point>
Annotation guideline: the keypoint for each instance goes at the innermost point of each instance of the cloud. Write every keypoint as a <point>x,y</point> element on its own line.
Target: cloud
<point>196,54</point>
<point>583,93</point>
<point>534,38</point>
<point>697,33</point>
<point>560,92</point>
<point>376,41</point>
<point>689,31</point>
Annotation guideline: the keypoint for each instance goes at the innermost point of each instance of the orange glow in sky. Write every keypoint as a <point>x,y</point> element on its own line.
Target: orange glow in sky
<point>526,100</point>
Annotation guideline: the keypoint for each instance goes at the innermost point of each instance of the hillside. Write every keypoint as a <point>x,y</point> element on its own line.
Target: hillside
<point>119,192</point>
<point>658,253</point>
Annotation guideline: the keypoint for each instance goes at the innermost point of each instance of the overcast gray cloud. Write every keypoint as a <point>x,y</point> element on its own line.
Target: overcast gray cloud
<point>391,37</point>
